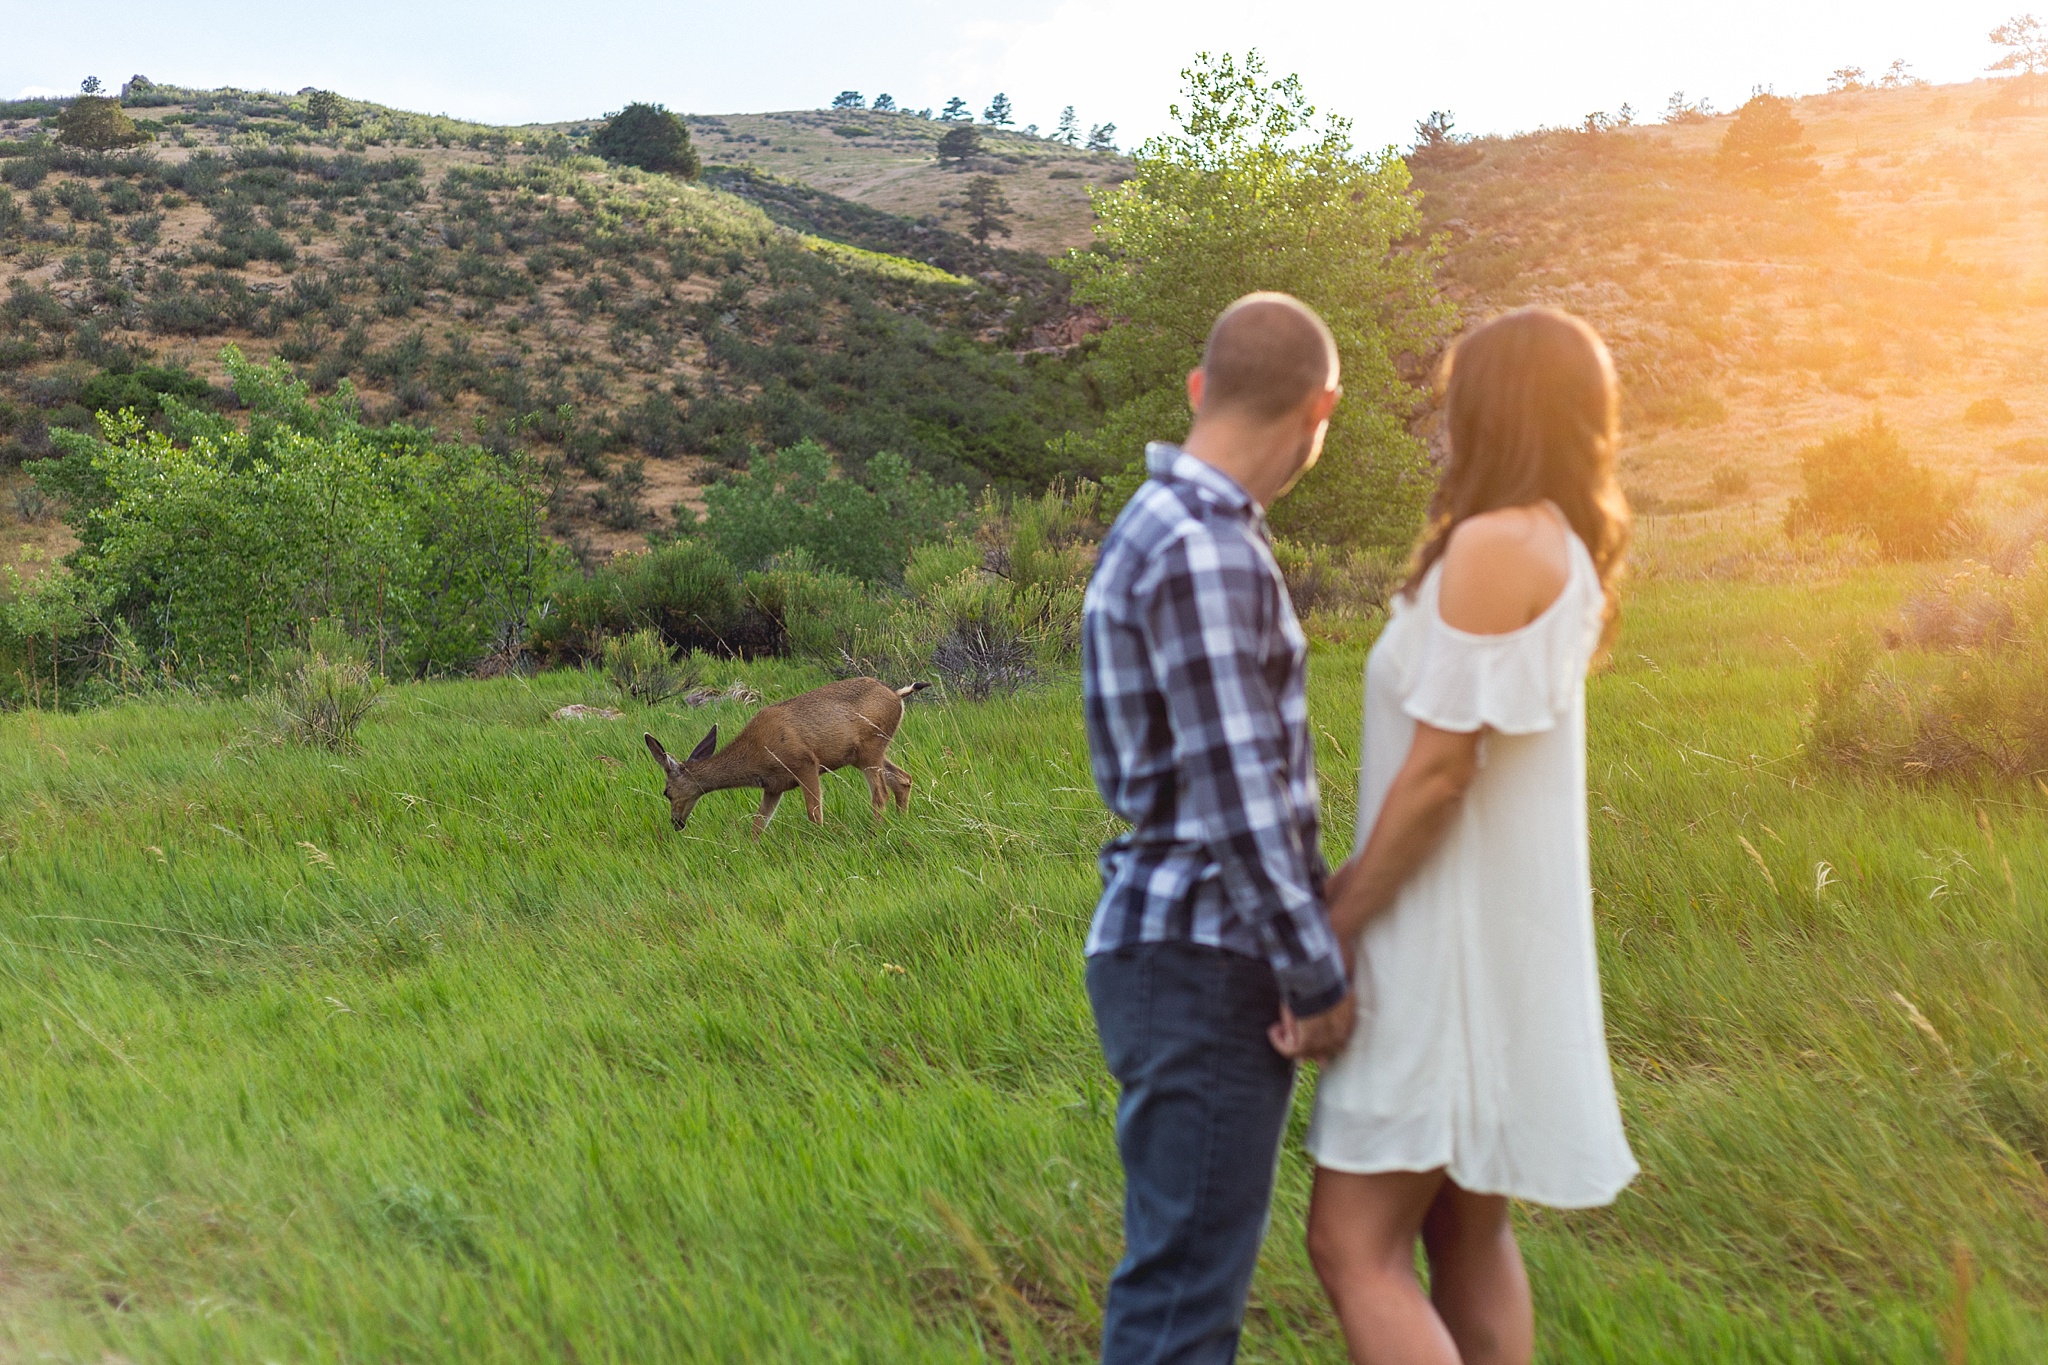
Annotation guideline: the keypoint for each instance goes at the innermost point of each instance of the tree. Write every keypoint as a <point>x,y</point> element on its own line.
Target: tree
<point>647,136</point>
<point>960,142</point>
<point>2026,49</point>
<point>323,108</point>
<point>848,99</point>
<point>95,123</point>
<point>1846,80</point>
<point>884,104</point>
<point>90,86</point>
<point>1899,76</point>
<point>1438,147</point>
<point>1069,130</point>
<point>955,110</point>
<point>1676,110</point>
<point>986,209</point>
<point>1253,190</point>
<point>1763,144</point>
<point>998,113</point>
<point>1101,138</point>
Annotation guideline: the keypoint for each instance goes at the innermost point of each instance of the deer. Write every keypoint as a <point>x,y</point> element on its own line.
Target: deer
<point>790,744</point>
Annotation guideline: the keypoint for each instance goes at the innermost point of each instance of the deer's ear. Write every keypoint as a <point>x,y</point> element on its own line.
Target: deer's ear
<point>660,754</point>
<point>705,746</point>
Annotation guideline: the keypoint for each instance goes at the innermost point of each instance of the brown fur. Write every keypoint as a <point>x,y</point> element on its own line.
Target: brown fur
<point>791,744</point>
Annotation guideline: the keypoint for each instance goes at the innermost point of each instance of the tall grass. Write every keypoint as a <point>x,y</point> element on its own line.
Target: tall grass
<point>451,1049</point>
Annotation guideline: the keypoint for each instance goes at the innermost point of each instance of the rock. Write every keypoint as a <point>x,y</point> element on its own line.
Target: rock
<point>578,711</point>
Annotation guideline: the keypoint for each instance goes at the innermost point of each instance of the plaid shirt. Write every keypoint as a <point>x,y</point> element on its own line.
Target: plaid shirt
<point>1194,677</point>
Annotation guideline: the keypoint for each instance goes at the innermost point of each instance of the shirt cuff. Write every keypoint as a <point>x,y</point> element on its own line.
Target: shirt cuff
<point>1313,987</point>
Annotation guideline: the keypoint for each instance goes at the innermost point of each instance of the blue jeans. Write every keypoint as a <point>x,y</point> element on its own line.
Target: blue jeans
<point>1205,1100</point>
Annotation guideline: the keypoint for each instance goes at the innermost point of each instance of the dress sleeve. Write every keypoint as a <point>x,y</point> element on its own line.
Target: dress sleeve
<point>1520,683</point>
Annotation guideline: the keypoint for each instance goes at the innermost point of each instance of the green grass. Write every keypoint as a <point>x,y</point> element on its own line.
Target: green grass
<point>452,1049</point>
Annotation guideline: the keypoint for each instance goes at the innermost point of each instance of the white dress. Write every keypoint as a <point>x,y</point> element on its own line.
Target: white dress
<point>1479,1045</point>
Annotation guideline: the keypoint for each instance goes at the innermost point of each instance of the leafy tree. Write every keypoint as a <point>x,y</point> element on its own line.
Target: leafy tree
<point>1069,130</point>
<point>323,108</point>
<point>95,123</point>
<point>884,104</point>
<point>1763,144</point>
<point>986,209</point>
<point>647,136</point>
<point>960,142</point>
<point>1102,138</point>
<point>998,113</point>
<point>955,110</point>
<point>848,99</point>
<point>1253,190</point>
<point>792,499</point>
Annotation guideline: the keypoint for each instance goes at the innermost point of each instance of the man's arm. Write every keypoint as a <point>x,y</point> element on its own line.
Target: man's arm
<point>1205,608</point>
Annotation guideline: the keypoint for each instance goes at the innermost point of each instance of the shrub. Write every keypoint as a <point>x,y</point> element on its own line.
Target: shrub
<point>685,590</point>
<point>1729,481</point>
<point>818,614</point>
<point>1333,581</point>
<point>95,123</point>
<point>2026,450</point>
<point>325,689</point>
<point>1988,412</point>
<point>642,666</point>
<point>793,499</point>
<point>1966,699</point>
<point>1862,480</point>
<point>647,136</point>
<point>1763,144</point>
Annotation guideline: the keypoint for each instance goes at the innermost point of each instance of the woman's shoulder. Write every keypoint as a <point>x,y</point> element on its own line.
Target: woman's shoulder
<point>1503,569</point>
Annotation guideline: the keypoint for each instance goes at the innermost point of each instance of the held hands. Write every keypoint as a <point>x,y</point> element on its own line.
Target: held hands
<point>1318,1037</point>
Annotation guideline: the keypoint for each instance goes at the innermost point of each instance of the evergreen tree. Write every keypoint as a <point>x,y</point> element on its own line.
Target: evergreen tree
<point>1069,130</point>
<point>323,108</point>
<point>998,112</point>
<point>961,141</point>
<point>647,136</point>
<point>955,110</point>
<point>1102,138</point>
<point>884,104</point>
<point>90,86</point>
<point>95,123</point>
<point>848,99</point>
<point>1763,145</point>
<point>986,209</point>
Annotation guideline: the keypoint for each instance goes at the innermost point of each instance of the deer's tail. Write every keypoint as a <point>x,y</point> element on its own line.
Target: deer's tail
<point>914,687</point>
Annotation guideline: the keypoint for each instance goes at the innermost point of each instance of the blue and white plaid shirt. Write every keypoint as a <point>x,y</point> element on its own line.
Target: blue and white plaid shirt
<point>1194,681</point>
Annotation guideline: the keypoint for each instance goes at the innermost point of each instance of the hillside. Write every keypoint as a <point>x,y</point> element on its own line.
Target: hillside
<point>1908,276</point>
<point>637,332</point>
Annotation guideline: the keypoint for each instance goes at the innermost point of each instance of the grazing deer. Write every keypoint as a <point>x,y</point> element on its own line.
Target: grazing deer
<point>789,744</point>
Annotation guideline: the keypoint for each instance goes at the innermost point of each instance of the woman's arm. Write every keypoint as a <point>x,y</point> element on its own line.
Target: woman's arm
<point>1418,809</point>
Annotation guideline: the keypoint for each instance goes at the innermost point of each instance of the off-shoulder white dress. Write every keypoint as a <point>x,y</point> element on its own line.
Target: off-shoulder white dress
<point>1479,1045</point>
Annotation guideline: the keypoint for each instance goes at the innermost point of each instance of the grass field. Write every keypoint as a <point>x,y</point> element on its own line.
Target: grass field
<point>452,1049</point>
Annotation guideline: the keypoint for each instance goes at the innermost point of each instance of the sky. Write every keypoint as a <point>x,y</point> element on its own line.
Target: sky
<point>1497,65</point>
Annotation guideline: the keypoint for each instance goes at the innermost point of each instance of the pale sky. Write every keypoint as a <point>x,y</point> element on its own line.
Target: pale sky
<point>1499,65</point>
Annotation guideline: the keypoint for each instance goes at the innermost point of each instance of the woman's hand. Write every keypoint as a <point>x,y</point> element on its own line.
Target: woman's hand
<point>1317,1038</point>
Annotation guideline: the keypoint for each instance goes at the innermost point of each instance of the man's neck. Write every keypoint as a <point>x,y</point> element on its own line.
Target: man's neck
<point>1255,456</point>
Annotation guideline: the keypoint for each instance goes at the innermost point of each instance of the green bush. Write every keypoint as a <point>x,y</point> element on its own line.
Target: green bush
<point>822,615</point>
<point>1965,696</point>
<point>793,499</point>
<point>1988,412</point>
<point>685,589</point>
<point>647,136</point>
<point>325,689</point>
<point>1862,480</point>
<point>644,667</point>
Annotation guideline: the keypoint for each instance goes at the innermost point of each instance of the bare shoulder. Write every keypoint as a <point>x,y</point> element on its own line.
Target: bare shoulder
<point>1502,569</point>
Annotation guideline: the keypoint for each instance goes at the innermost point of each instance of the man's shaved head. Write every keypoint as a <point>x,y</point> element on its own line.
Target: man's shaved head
<point>1267,355</point>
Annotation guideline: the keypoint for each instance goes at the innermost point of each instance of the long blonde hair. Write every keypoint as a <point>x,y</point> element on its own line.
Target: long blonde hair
<point>1533,412</point>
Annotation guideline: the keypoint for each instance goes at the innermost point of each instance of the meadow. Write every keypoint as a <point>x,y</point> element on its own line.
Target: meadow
<point>451,1048</point>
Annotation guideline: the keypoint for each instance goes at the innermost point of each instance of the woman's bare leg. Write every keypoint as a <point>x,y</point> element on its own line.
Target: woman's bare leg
<point>1361,1237</point>
<point>1476,1278</point>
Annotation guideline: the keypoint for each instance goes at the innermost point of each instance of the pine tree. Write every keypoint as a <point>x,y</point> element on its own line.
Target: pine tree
<point>884,104</point>
<point>90,86</point>
<point>961,141</point>
<point>986,209</point>
<point>647,136</point>
<point>1069,130</point>
<point>323,108</point>
<point>95,123</point>
<point>955,110</point>
<point>848,99</point>
<point>1102,138</point>
<point>998,112</point>
<point>1763,144</point>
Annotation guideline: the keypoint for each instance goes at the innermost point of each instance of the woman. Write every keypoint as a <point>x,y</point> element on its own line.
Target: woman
<point>1478,1072</point>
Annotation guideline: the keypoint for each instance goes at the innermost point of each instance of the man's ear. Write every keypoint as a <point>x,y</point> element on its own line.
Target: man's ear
<point>660,754</point>
<point>705,746</point>
<point>1197,381</point>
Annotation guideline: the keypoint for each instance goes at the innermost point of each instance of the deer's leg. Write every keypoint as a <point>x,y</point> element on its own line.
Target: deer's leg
<point>876,779</point>
<point>814,796</point>
<point>899,782</point>
<point>770,798</point>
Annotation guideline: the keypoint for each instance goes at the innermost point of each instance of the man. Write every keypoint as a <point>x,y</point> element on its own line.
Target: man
<point>1211,935</point>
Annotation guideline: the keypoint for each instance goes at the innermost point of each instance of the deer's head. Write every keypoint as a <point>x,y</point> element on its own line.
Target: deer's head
<point>682,787</point>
